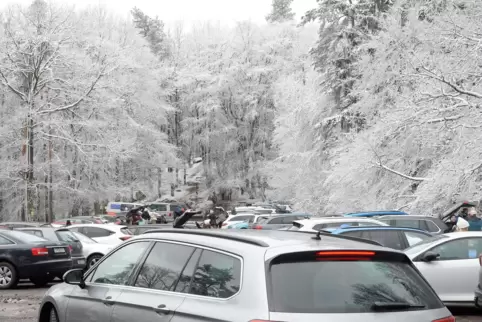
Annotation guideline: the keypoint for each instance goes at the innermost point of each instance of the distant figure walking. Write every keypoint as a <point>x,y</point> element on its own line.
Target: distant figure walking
<point>68,223</point>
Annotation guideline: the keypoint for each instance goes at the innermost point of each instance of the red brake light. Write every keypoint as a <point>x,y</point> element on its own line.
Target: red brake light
<point>70,248</point>
<point>169,214</point>
<point>124,238</point>
<point>447,319</point>
<point>40,251</point>
<point>345,253</point>
<point>258,227</point>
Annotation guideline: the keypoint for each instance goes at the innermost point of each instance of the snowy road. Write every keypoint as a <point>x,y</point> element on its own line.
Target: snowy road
<point>21,305</point>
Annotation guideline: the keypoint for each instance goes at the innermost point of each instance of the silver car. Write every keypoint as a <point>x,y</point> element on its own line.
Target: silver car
<point>450,263</point>
<point>182,275</point>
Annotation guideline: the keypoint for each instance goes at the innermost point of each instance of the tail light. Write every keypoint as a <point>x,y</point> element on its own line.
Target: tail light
<point>447,319</point>
<point>169,214</point>
<point>257,227</point>
<point>40,251</point>
<point>345,255</point>
<point>70,248</point>
<point>124,238</point>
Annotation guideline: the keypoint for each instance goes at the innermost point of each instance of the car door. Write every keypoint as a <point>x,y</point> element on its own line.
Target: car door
<point>454,274</point>
<point>212,280</point>
<point>152,296</point>
<point>105,284</point>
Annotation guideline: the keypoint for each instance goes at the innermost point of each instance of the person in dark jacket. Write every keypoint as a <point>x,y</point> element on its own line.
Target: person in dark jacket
<point>68,223</point>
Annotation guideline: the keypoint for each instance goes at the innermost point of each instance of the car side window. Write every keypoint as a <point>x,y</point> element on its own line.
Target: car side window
<point>388,238</point>
<point>276,221</point>
<point>357,234</point>
<point>184,282</point>
<point>163,266</point>
<point>241,218</point>
<point>414,238</point>
<point>431,227</point>
<point>217,275</point>
<point>76,229</point>
<point>93,232</point>
<point>408,223</point>
<point>289,219</point>
<point>5,241</point>
<point>118,267</point>
<point>466,248</point>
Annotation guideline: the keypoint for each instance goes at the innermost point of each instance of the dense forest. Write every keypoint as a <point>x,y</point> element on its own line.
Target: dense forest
<point>366,104</point>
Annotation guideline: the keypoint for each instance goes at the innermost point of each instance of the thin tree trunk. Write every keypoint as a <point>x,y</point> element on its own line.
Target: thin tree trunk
<point>159,181</point>
<point>50,192</point>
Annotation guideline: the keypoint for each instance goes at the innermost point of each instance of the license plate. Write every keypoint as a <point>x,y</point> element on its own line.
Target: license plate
<point>59,250</point>
<point>81,262</point>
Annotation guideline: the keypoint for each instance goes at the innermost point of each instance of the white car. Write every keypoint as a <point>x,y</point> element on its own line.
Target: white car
<point>450,263</point>
<point>242,217</point>
<point>327,223</point>
<point>104,234</point>
<point>92,250</point>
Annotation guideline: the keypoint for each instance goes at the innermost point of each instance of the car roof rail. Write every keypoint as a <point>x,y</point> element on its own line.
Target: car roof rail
<point>323,233</point>
<point>202,232</point>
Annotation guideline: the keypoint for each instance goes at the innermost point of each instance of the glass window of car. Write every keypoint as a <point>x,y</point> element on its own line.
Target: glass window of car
<point>5,241</point>
<point>163,266</point>
<point>94,232</point>
<point>276,221</point>
<point>126,231</point>
<point>66,236</point>
<point>262,220</point>
<point>118,266</point>
<point>431,226</point>
<point>84,239</point>
<point>242,218</point>
<point>464,248</point>
<point>407,223</point>
<point>338,224</point>
<point>414,237</point>
<point>217,275</point>
<point>357,234</point>
<point>387,238</point>
<point>184,282</point>
<point>313,286</point>
<point>158,207</point>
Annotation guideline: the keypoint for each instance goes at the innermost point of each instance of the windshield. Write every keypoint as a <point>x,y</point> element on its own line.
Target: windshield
<point>23,237</point>
<point>83,239</point>
<point>313,286</point>
<point>423,245</point>
<point>66,236</point>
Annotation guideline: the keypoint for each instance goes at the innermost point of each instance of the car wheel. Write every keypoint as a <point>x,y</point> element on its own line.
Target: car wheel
<point>40,281</point>
<point>93,259</point>
<point>8,275</point>
<point>53,316</point>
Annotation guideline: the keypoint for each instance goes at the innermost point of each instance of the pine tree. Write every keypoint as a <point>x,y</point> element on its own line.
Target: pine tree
<point>281,11</point>
<point>152,29</point>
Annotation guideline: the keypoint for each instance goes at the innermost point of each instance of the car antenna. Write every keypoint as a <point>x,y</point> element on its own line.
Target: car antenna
<point>318,236</point>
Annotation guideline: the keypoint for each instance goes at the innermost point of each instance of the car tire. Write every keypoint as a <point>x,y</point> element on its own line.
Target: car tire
<point>8,276</point>
<point>40,281</point>
<point>53,315</point>
<point>92,259</point>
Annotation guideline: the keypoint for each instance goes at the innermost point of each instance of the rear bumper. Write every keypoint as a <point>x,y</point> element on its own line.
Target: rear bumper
<point>78,262</point>
<point>52,267</point>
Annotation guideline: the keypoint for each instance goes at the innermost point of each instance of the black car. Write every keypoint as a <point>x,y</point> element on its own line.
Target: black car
<point>433,225</point>
<point>25,256</point>
<point>61,235</point>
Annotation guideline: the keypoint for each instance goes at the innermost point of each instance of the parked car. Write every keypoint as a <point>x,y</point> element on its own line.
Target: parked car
<point>451,264</point>
<point>92,250</point>
<point>277,221</point>
<point>165,210</point>
<point>140,229</point>
<point>74,221</point>
<point>19,224</point>
<point>105,234</point>
<point>433,225</point>
<point>332,223</point>
<point>393,237</point>
<point>113,208</point>
<point>256,275</point>
<point>376,213</point>
<point>61,235</point>
<point>25,256</point>
<point>233,220</point>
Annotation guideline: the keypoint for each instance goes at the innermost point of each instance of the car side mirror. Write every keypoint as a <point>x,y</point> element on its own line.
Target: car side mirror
<point>430,256</point>
<point>75,277</point>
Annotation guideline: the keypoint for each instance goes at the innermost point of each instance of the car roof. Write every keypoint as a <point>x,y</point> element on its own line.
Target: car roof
<point>377,228</point>
<point>256,238</point>
<point>408,217</point>
<point>375,213</point>
<point>104,226</point>
<point>318,220</point>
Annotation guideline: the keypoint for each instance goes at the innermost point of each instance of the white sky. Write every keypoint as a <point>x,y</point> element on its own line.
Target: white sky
<point>224,11</point>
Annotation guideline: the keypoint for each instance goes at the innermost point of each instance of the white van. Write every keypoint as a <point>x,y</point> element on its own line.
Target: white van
<point>113,208</point>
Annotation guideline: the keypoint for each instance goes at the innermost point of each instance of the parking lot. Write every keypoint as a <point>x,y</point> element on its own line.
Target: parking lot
<point>21,304</point>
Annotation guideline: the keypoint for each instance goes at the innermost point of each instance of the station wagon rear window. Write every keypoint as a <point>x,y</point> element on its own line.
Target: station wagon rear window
<point>345,286</point>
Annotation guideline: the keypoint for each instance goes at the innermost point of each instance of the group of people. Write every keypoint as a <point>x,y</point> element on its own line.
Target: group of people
<point>467,220</point>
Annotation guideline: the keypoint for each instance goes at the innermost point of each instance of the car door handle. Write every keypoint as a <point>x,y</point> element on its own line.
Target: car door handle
<point>108,301</point>
<point>162,309</point>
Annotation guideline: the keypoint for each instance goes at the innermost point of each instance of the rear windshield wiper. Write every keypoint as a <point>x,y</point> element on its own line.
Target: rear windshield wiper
<point>392,306</point>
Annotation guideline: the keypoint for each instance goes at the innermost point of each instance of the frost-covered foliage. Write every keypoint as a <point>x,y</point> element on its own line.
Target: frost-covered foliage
<point>80,98</point>
<point>419,96</point>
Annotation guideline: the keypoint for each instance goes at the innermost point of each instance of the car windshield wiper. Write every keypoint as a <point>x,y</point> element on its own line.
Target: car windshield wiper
<point>392,306</point>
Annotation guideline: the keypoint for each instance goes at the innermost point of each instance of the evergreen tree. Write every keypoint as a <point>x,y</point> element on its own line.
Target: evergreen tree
<point>280,11</point>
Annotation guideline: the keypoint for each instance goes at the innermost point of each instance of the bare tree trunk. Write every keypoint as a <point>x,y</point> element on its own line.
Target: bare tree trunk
<point>50,192</point>
<point>159,181</point>
<point>185,175</point>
